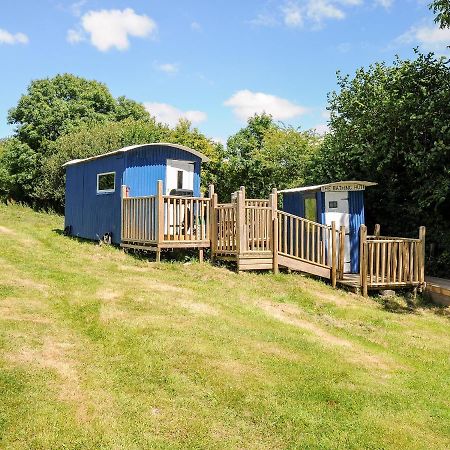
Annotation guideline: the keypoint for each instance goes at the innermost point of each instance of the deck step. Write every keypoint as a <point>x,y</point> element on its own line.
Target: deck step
<point>304,266</point>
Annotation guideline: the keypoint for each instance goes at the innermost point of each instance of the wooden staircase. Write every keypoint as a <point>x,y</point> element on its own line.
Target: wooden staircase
<point>256,235</point>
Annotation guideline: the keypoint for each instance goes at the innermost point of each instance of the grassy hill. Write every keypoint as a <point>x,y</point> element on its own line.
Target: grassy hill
<point>100,349</point>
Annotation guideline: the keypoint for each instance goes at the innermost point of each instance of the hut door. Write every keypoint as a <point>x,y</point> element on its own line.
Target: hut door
<point>337,209</point>
<point>179,175</point>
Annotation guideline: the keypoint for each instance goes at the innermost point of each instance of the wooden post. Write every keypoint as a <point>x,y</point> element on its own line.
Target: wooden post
<point>200,255</point>
<point>341,252</point>
<point>241,237</point>
<point>363,259</point>
<point>422,232</point>
<point>333,254</point>
<point>377,230</point>
<point>274,205</point>
<point>160,223</point>
<point>212,221</point>
<point>123,194</point>
<point>242,189</point>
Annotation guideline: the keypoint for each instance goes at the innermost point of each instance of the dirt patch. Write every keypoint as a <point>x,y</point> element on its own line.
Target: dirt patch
<point>55,356</point>
<point>6,314</point>
<point>108,294</point>
<point>237,369</point>
<point>288,313</point>
<point>199,308</point>
<point>273,350</point>
<point>4,230</point>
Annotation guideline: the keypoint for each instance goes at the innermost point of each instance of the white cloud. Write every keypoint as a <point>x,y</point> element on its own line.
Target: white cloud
<point>264,20</point>
<point>170,115</point>
<point>112,28</point>
<point>8,38</point>
<point>75,36</point>
<point>246,103</point>
<point>430,38</point>
<point>318,10</point>
<point>384,3</point>
<point>300,13</point>
<point>292,15</point>
<point>169,68</point>
<point>322,129</point>
<point>196,26</point>
<point>76,7</point>
<point>220,140</point>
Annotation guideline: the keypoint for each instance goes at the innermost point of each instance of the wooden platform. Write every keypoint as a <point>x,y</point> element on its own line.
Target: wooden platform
<point>439,290</point>
<point>352,281</point>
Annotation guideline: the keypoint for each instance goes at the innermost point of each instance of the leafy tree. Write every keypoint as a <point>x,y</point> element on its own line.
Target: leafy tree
<point>442,9</point>
<point>56,106</point>
<point>264,155</point>
<point>95,139</point>
<point>18,166</point>
<point>390,124</point>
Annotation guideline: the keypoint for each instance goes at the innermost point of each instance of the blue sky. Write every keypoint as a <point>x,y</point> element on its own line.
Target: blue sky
<point>215,62</point>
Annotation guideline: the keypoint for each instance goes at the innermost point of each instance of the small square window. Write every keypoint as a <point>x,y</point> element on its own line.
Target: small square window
<point>180,179</point>
<point>333,204</point>
<point>106,182</point>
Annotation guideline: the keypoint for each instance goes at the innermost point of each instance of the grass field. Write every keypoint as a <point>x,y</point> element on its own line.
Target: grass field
<point>99,349</point>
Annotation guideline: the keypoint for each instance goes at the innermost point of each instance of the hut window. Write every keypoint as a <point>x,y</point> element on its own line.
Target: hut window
<point>180,179</point>
<point>311,209</point>
<point>333,204</point>
<point>106,182</point>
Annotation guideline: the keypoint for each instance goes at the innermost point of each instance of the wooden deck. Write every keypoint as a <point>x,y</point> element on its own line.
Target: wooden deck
<point>439,290</point>
<point>256,235</point>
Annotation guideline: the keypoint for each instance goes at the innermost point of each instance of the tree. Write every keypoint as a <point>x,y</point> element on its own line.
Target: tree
<point>390,124</point>
<point>56,106</point>
<point>18,166</point>
<point>264,155</point>
<point>96,139</point>
<point>442,9</point>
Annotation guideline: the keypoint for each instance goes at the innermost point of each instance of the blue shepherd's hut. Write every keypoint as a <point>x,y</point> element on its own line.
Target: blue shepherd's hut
<point>341,202</point>
<point>93,185</point>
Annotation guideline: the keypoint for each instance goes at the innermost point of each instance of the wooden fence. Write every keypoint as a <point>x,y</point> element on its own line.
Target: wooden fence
<point>165,221</point>
<point>255,234</point>
<point>391,261</point>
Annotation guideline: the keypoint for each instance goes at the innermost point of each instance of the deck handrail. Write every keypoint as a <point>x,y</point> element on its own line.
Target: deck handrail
<point>391,261</point>
<point>157,221</point>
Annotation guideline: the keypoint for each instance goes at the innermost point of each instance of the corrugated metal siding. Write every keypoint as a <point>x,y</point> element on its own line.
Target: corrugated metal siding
<point>356,210</point>
<point>320,204</point>
<point>293,203</point>
<point>91,215</point>
<point>146,165</point>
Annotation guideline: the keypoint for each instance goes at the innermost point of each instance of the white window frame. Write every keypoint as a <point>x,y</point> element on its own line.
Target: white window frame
<point>106,191</point>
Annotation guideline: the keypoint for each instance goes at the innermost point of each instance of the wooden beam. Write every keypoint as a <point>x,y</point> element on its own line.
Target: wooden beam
<point>160,215</point>
<point>422,233</point>
<point>274,228</point>
<point>333,254</point>
<point>363,259</point>
<point>303,266</point>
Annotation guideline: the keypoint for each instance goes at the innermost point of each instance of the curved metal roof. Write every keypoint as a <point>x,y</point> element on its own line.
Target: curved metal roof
<point>133,147</point>
<point>318,187</point>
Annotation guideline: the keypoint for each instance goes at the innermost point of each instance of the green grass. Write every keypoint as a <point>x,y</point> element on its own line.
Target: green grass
<point>99,349</point>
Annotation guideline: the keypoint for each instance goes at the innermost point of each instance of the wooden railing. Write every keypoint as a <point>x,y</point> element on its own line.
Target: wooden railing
<point>186,219</point>
<point>391,261</point>
<point>258,226</point>
<point>139,219</point>
<point>303,239</point>
<point>225,228</point>
<point>257,202</point>
<point>160,221</point>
